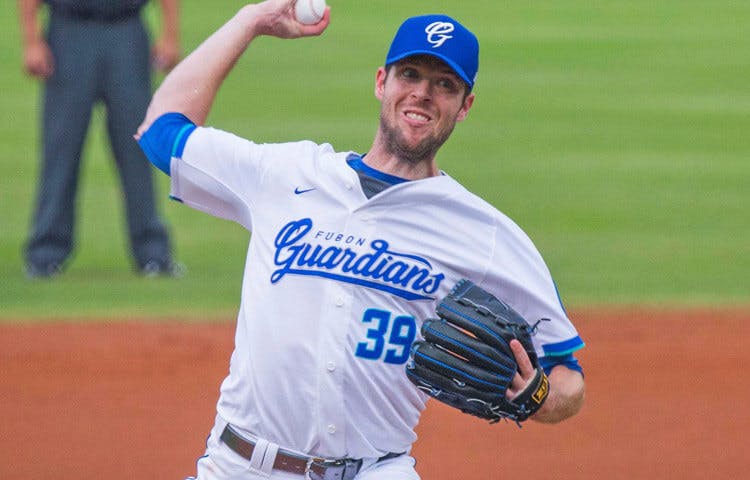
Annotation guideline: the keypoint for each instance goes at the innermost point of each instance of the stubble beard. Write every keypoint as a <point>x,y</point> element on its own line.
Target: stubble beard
<point>395,144</point>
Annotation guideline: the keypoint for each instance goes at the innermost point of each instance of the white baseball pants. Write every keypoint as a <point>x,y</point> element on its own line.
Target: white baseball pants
<point>222,463</point>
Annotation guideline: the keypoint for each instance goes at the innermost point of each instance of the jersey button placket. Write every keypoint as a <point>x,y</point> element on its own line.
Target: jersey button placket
<point>367,221</point>
<point>333,352</point>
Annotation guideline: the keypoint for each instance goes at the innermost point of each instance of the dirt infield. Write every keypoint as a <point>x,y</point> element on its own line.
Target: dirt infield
<point>135,401</point>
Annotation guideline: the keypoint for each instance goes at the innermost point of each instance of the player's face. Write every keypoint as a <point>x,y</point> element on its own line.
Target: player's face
<point>421,98</point>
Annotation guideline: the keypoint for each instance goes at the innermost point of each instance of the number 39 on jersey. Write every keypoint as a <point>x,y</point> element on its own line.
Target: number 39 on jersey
<point>389,337</point>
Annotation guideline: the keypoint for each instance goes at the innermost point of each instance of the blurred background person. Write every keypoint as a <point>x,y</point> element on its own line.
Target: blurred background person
<point>91,51</point>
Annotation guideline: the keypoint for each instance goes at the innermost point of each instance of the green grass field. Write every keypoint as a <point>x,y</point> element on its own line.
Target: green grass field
<point>614,133</point>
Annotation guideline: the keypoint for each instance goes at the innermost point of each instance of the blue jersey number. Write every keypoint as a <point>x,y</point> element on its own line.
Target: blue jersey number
<point>399,334</point>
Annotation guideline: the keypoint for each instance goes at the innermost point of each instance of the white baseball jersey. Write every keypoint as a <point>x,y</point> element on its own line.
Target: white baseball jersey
<point>336,287</point>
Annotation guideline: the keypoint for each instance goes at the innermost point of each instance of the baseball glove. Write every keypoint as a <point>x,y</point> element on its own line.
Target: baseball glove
<point>465,359</point>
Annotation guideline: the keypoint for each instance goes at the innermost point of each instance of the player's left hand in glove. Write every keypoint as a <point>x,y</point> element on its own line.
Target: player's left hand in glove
<point>466,360</point>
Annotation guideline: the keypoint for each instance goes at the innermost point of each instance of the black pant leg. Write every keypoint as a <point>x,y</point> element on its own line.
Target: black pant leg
<point>126,86</point>
<point>69,95</point>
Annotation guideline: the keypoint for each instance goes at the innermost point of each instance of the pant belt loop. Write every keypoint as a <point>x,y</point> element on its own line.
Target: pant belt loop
<point>269,458</point>
<point>256,460</point>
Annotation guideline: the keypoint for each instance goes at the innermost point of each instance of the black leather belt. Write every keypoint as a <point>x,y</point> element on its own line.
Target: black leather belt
<point>315,468</point>
<point>94,15</point>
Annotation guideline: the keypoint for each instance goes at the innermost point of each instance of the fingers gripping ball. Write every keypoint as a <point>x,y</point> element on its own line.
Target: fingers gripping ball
<point>466,361</point>
<point>309,12</point>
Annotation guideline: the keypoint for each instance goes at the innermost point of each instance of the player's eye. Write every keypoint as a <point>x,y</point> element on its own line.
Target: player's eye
<point>410,73</point>
<point>448,85</point>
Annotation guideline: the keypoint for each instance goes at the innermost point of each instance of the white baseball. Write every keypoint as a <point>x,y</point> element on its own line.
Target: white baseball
<point>309,12</point>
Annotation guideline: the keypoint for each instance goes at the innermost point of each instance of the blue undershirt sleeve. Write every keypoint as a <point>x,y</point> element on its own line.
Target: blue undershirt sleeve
<point>165,139</point>
<point>550,361</point>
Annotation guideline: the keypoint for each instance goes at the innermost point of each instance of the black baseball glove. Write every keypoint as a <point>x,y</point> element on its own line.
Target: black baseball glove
<point>465,359</point>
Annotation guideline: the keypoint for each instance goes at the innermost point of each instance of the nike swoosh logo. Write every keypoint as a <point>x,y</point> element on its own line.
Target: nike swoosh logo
<point>299,191</point>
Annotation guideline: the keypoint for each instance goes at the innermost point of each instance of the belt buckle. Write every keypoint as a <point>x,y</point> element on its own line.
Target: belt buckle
<point>327,469</point>
<point>313,473</point>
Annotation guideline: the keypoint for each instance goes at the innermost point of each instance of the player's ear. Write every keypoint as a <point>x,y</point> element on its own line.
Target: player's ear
<point>464,112</point>
<point>380,82</point>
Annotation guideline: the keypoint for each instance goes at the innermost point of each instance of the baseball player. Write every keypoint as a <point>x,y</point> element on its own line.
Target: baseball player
<point>349,253</point>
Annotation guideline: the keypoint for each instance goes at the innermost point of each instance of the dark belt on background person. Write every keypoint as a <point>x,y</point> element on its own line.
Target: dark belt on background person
<point>95,15</point>
<point>314,468</point>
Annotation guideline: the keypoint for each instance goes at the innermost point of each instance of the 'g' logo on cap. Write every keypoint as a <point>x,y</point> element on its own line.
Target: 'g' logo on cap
<point>429,35</point>
<point>437,33</point>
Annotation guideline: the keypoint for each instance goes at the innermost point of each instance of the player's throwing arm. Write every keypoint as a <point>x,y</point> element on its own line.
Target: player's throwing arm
<point>192,86</point>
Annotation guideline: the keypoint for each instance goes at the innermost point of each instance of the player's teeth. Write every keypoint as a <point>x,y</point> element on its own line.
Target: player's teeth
<point>416,116</point>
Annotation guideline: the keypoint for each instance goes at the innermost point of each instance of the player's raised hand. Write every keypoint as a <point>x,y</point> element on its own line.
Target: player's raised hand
<point>276,18</point>
<point>191,87</point>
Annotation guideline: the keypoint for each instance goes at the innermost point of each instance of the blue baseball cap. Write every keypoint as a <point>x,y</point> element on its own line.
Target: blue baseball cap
<point>439,36</point>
